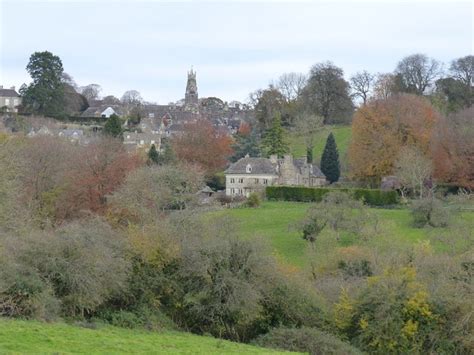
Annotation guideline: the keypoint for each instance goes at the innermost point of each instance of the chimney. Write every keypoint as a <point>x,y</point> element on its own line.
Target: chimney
<point>12,88</point>
<point>1,86</point>
<point>273,158</point>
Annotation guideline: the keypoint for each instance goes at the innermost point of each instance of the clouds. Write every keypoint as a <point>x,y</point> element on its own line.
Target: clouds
<point>235,47</point>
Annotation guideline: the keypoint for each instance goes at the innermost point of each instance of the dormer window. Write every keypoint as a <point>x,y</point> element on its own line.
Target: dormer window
<point>248,169</point>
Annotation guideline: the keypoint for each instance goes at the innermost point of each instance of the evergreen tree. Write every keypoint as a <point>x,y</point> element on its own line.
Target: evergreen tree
<point>273,141</point>
<point>45,95</point>
<point>330,160</point>
<point>245,144</point>
<point>113,126</point>
<point>153,156</point>
<point>167,154</point>
<point>309,155</point>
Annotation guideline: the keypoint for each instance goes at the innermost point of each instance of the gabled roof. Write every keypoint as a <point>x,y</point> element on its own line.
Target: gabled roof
<point>258,166</point>
<point>8,93</point>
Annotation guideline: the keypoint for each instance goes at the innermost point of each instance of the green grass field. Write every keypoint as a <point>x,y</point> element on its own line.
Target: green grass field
<point>273,221</point>
<point>31,337</point>
<point>342,134</point>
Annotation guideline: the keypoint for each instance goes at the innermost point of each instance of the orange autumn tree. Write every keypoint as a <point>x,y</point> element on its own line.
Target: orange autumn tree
<point>382,127</point>
<point>203,145</point>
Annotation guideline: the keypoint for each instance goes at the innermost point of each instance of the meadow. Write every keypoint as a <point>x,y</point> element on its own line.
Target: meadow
<point>31,337</point>
<point>274,222</point>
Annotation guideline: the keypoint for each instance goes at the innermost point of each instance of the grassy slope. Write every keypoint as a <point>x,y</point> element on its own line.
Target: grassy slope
<point>272,221</point>
<point>342,134</point>
<point>35,337</point>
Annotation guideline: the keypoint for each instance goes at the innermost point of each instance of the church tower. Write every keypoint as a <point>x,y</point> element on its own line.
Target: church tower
<point>191,96</point>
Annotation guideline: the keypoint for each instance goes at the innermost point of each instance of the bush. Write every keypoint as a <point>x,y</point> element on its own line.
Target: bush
<point>304,339</point>
<point>372,197</point>
<point>253,200</point>
<point>429,212</point>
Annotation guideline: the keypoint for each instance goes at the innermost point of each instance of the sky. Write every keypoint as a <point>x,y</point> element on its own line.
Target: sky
<point>235,47</point>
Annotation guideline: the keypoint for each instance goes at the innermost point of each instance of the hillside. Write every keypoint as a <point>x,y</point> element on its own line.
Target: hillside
<point>35,337</point>
<point>342,134</point>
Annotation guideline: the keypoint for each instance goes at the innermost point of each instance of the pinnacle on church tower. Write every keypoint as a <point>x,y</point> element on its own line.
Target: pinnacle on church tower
<point>191,102</point>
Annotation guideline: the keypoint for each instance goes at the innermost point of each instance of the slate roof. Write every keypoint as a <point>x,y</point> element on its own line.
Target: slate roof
<point>259,166</point>
<point>301,165</point>
<point>8,93</point>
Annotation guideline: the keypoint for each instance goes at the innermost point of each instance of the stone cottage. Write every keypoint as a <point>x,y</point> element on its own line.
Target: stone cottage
<point>10,99</point>
<point>253,174</point>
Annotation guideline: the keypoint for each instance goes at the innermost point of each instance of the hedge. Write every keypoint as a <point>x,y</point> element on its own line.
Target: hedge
<point>372,197</point>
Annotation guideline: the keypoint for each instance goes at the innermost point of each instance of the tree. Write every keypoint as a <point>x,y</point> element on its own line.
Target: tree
<point>267,104</point>
<point>202,144</point>
<point>45,95</point>
<point>132,98</point>
<point>330,160</point>
<point>153,156</point>
<point>113,126</point>
<point>462,69</point>
<point>246,142</point>
<point>91,92</point>
<point>361,85</point>
<point>274,141</point>
<point>417,73</point>
<point>307,125</point>
<point>386,85</point>
<point>327,94</point>
<point>110,100</point>
<point>452,95</point>
<point>413,169</point>
<point>166,155</point>
<point>382,127</point>
<point>291,85</point>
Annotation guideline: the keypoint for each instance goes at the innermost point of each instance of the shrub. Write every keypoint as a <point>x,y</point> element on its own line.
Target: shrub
<point>304,339</point>
<point>372,197</point>
<point>253,200</point>
<point>429,212</point>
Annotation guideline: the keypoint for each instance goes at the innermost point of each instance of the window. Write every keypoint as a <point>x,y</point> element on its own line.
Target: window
<point>232,181</point>
<point>241,181</point>
<point>7,102</point>
<point>232,191</point>
<point>151,115</point>
<point>142,142</point>
<point>265,181</point>
<point>256,181</point>
<point>152,142</point>
<point>248,169</point>
<point>15,102</point>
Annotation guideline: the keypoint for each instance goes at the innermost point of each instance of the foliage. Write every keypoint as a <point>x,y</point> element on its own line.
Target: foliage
<point>414,170</point>
<point>246,143</point>
<point>45,95</point>
<point>309,340</point>
<point>79,266</point>
<point>382,127</point>
<point>153,155</point>
<point>274,140</point>
<point>253,200</point>
<point>372,197</point>
<point>429,212</point>
<point>330,166</point>
<point>202,144</point>
<point>327,94</point>
<point>417,73</point>
<point>113,127</point>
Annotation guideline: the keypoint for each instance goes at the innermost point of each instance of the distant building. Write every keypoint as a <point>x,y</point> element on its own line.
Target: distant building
<point>254,174</point>
<point>191,100</point>
<point>104,111</point>
<point>10,99</point>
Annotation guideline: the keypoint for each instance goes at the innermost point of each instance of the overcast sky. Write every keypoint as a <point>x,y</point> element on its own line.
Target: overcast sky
<point>235,47</point>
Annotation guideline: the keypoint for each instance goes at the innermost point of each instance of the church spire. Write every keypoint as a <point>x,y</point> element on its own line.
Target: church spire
<point>191,95</point>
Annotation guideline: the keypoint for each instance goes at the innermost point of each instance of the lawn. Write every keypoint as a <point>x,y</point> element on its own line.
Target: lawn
<point>273,222</point>
<point>34,337</point>
<point>342,134</point>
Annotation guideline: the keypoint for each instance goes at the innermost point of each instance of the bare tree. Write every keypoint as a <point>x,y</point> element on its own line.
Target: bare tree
<point>111,100</point>
<point>414,169</point>
<point>462,69</point>
<point>384,86</point>
<point>361,85</point>
<point>91,92</point>
<point>132,98</point>
<point>291,85</point>
<point>418,72</point>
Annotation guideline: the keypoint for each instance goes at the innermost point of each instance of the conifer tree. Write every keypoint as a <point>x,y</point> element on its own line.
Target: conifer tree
<point>330,160</point>
<point>153,156</point>
<point>113,126</point>
<point>273,141</point>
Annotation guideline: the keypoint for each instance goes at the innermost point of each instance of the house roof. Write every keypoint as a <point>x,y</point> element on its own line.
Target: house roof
<point>258,165</point>
<point>8,93</point>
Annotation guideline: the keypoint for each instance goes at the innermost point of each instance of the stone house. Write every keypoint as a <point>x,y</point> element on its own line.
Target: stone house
<point>103,111</point>
<point>10,99</point>
<point>249,175</point>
